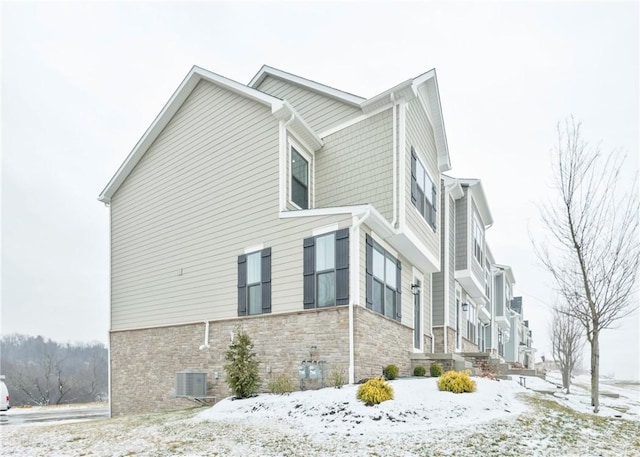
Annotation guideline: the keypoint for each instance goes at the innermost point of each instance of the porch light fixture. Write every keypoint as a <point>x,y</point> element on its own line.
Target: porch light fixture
<point>465,306</point>
<point>415,289</point>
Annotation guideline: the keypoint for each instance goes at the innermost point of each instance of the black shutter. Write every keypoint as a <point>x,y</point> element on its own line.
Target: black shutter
<point>242,285</point>
<point>309,270</point>
<point>414,183</point>
<point>369,285</point>
<point>266,280</point>
<point>342,267</point>
<point>433,207</point>
<point>399,291</point>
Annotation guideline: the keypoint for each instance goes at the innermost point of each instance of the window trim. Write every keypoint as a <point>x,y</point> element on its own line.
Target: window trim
<point>265,283</point>
<point>477,245</point>
<point>340,270</point>
<point>429,209</point>
<point>293,145</point>
<point>371,279</point>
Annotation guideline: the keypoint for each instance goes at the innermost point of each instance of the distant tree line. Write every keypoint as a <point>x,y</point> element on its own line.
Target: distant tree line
<point>39,371</point>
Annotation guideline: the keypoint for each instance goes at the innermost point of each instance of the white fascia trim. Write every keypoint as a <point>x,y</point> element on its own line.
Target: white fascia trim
<point>402,156</point>
<point>422,248</point>
<point>195,75</point>
<point>328,91</point>
<point>297,125</point>
<point>404,91</point>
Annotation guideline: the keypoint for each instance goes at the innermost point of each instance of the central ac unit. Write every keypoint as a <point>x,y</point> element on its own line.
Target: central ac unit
<point>191,384</point>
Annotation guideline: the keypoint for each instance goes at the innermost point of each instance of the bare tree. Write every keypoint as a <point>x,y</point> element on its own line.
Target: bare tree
<point>566,343</point>
<point>593,251</point>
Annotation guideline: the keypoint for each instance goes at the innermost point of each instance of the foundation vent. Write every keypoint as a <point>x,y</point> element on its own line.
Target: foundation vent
<point>191,384</point>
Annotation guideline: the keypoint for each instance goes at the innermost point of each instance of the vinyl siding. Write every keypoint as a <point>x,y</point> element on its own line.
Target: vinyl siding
<point>419,134</point>
<point>476,267</point>
<point>452,262</point>
<point>192,205</point>
<point>439,278</point>
<point>462,232</point>
<point>355,166</point>
<point>319,111</point>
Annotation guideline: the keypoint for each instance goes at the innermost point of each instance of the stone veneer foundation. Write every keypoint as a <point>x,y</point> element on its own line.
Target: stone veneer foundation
<point>144,362</point>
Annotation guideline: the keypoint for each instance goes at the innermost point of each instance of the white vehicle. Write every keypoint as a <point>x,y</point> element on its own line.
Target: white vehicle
<point>4,396</point>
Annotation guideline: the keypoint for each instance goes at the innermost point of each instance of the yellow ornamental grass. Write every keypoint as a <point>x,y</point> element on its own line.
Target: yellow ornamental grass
<point>456,382</point>
<point>375,391</point>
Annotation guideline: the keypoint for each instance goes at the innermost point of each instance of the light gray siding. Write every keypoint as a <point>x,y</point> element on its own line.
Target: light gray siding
<point>319,111</point>
<point>192,205</point>
<point>355,166</point>
<point>439,278</point>
<point>462,232</point>
<point>419,134</point>
<point>452,262</point>
<point>476,267</point>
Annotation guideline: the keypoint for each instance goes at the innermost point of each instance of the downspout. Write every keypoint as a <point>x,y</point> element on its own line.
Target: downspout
<point>395,162</point>
<point>352,357</point>
<point>206,336</point>
<point>283,165</point>
<point>445,330</point>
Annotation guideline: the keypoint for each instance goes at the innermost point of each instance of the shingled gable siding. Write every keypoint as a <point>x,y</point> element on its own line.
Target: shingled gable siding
<point>355,166</point>
<point>419,135</point>
<point>319,111</point>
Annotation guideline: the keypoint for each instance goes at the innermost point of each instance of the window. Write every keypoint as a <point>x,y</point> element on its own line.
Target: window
<point>471,323</point>
<point>326,270</point>
<point>478,238</point>
<point>383,281</point>
<point>299,180</point>
<point>254,283</point>
<point>423,190</point>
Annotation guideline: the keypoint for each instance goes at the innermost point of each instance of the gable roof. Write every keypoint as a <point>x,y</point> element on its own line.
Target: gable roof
<point>313,86</point>
<point>475,187</point>
<point>281,109</point>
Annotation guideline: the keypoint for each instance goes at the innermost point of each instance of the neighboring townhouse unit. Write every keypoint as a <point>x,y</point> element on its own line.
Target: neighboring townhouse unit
<point>502,297</point>
<point>461,290</point>
<point>305,215</point>
<point>519,347</point>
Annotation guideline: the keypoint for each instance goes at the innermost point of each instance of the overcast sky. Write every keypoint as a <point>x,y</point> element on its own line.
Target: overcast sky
<point>81,82</point>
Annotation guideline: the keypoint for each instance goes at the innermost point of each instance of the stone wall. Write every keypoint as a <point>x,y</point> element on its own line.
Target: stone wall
<point>468,346</point>
<point>144,362</point>
<point>380,341</point>
<point>438,337</point>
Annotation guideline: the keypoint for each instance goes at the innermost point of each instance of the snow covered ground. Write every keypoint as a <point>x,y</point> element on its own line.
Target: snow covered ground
<point>501,418</point>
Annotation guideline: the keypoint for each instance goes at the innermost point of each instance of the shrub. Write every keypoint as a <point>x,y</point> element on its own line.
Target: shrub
<point>374,391</point>
<point>419,371</point>
<point>456,382</point>
<point>242,367</point>
<point>390,372</point>
<point>281,385</point>
<point>435,370</point>
<point>337,378</point>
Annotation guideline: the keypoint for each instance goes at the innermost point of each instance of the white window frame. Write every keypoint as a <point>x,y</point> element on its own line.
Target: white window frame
<point>292,144</point>
<point>433,183</point>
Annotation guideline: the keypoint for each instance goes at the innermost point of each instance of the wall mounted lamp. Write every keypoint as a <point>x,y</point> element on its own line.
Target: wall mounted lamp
<point>465,306</point>
<point>415,289</point>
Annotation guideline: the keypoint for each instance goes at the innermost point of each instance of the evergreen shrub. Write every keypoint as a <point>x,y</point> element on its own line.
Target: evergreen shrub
<point>419,371</point>
<point>435,370</point>
<point>242,367</point>
<point>390,372</point>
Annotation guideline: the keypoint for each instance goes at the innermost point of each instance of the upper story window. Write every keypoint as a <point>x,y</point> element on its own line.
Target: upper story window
<point>383,281</point>
<point>299,179</point>
<point>254,283</point>
<point>326,270</point>
<point>423,190</point>
<point>478,239</point>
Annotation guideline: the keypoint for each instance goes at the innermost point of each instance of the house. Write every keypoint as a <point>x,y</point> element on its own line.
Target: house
<point>305,215</point>
<point>461,289</point>
<point>504,282</point>
<point>519,346</point>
